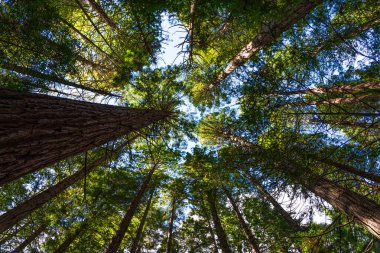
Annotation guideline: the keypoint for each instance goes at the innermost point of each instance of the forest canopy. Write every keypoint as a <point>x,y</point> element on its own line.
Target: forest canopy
<point>261,134</point>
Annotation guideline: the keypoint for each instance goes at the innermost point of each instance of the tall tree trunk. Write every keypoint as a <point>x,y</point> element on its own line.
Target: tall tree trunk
<point>336,88</point>
<point>191,30</point>
<point>340,100</point>
<point>39,130</point>
<point>267,35</point>
<point>362,209</point>
<point>21,211</point>
<point>248,233</point>
<point>222,237</point>
<point>344,123</point>
<point>50,77</point>
<point>123,227</point>
<point>285,215</point>
<point>103,15</point>
<point>171,224</point>
<point>139,231</point>
<point>31,238</point>
<point>69,240</point>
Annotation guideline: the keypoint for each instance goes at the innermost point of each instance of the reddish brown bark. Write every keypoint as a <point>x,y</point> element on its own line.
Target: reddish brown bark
<point>268,34</point>
<point>139,231</point>
<point>222,237</point>
<point>31,238</point>
<point>38,130</point>
<point>116,240</point>
<point>340,100</point>
<point>21,211</point>
<point>103,15</point>
<point>191,30</point>
<point>248,233</point>
<point>171,225</point>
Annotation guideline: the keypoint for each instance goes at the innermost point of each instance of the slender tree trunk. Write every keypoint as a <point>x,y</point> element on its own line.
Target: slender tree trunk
<point>344,123</point>
<point>171,225</point>
<point>349,169</point>
<point>248,233</point>
<point>21,211</point>
<point>31,238</point>
<point>222,237</point>
<point>69,240</point>
<point>362,209</point>
<point>50,77</point>
<point>335,101</point>
<point>226,26</point>
<point>38,130</point>
<point>139,231</point>
<point>268,34</point>
<point>285,215</point>
<point>191,30</point>
<point>336,88</point>
<point>7,237</point>
<point>103,15</point>
<point>123,227</point>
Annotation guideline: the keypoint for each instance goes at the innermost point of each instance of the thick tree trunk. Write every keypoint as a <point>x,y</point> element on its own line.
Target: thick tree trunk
<point>268,34</point>
<point>31,238</point>
<point>123,227</point>
<point>38,130</point>
<point>333,89</point>
<point>171,225</point>
<point>222,237</point>
<point>248,233</point>
<point>362,209</point>
<point>21,211</point>
<point>285,215</point>
<point>49,77</point>
<point>99,10</point>
<point>139,231</point>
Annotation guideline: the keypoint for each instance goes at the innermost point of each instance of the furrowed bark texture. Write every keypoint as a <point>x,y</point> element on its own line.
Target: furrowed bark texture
<point>222,237</point>
<point>38,130</point>
<point>116,240</point>
<point>139,231</point>
<point>248,233</point>
<point>268,34</point>
<point>21,211</point>
<point>31,238</point>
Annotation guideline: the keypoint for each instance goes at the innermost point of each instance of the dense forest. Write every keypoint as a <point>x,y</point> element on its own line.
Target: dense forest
<point>262,134</point>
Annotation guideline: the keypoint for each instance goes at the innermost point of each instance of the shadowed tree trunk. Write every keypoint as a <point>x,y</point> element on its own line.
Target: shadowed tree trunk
<point>139,231</point>
<point>285,215</point>
<point>248,233</point>
<point>171,224</point>
<point>222,237</point>
<point>69,240</point>
<point>38,130</point>
<point>50,77</point>
<point>336,101</point>
<point>191,31</point>
<point>31,238</point>
<point>267,35</point>
<point>336,88</point>
<point>21,211</point>
<point>98,9</point>
<point>116,240</point>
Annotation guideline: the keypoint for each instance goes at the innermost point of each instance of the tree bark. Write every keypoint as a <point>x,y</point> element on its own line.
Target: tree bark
<point>362,209</point>
<point>336,88</point>
<point>21,211</point>
<point>285,215</point>
<point>123,227</point>
<point>171,224</point>
<point>69,240</point>
<point>268,34</point>
<point>50,77</point>
<point>31,238</point>
<point>191,31</point>
<point>103,15</point>
<point>139,231</point>
<point>248,233</point>
<point>340,100</point>
<point>222,237</point>
<point>38,130</point>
